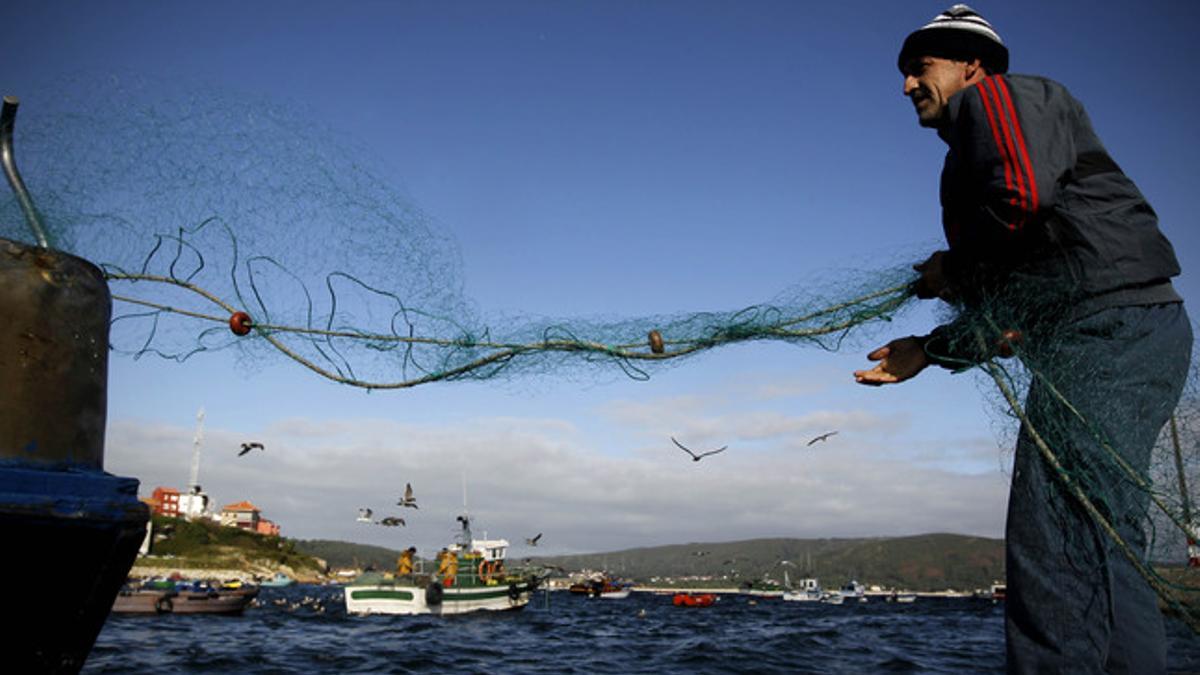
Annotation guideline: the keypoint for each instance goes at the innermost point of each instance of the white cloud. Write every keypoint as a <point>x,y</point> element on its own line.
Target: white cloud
<point>530,475</point>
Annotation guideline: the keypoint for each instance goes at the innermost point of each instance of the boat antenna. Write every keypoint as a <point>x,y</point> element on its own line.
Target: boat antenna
<point>464,488</point>
<point>465,518</point>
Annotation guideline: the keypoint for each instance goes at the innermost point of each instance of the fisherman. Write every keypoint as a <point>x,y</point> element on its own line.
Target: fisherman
<point>404,564</point>
<point>1034,208</point>
<point>447,566</point>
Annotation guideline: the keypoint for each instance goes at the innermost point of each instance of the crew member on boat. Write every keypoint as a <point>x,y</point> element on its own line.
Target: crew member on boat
<point>404,564</point>
<point>447,566</point>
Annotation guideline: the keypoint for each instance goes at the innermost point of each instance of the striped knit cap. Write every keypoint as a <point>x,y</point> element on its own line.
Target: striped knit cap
<point>958,33</point>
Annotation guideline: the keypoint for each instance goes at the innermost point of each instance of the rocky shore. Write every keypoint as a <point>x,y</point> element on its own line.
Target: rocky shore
<point>144,569</point>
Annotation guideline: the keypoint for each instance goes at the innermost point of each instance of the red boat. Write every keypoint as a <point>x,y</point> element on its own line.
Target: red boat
<point>694,600</point>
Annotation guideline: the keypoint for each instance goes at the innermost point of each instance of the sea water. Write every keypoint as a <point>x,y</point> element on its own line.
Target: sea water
<point>305,630</point>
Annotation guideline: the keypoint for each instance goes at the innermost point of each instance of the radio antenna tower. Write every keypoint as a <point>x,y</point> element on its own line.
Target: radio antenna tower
<point>194,484</point>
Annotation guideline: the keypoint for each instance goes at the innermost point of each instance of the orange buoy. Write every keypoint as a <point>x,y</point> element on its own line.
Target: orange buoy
<point>240,323</point>
<point>1008,338</point>
<point>656,342</point>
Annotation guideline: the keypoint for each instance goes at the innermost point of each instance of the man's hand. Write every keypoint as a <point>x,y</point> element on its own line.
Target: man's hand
<point>933,283</point>
<point>898,360</point>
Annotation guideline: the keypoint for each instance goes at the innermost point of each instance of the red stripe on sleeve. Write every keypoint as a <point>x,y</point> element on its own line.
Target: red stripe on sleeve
<point>1033,195</point>
<point>1001,113</point>
<point>987,106</point>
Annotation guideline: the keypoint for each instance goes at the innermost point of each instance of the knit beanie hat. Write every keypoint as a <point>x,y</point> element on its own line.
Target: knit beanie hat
<point>958,33</point>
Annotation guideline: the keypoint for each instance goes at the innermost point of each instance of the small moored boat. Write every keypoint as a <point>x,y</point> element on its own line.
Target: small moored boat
<point>693,599</point>
<point>195,597</point>
<point>143,601</point>
<point>603,587</point>
<point>854,591</point>
<point>807,590</point>
<point>280,580</point>
<point>764,588</point>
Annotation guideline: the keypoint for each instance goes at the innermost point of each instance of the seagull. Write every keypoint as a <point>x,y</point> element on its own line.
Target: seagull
<point>391,521</point>
<point>408,499</point>
<point>534,541</point>
<point>364,515</point>
<point>695,457</point>
<point>823,437</point>
<point>247,447</point>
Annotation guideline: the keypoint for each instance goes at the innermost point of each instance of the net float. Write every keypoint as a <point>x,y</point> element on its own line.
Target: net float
<point>1008,338</point>
<point>656,342</point>
<point>240,323</point>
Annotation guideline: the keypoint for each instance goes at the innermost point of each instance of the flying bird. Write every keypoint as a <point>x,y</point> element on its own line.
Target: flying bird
<point>391,521</point>
<point>247,447</point>
<point>823,437</point>
<point>364,515</point>
<point>534,540</point>
<point>408,499</point>
<point>695,457</point>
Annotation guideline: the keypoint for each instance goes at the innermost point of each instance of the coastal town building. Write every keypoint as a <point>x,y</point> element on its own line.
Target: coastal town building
<point>247,516</point>
<point>164,501</point>
<point>194,505</point>
<point>243,515</point>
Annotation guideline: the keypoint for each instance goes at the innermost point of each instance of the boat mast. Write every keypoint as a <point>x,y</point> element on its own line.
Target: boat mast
<point>465,536</point>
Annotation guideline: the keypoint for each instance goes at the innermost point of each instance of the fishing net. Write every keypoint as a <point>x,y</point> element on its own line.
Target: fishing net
<point>226,222</point>
<point>1094,402</point>
<point>203,210</point>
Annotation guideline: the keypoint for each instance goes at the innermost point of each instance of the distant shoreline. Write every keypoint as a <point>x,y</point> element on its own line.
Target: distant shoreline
<point>141,571</point>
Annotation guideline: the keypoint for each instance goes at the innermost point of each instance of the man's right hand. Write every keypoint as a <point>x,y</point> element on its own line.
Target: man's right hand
<point>933,282</point>
<point>899,360</point>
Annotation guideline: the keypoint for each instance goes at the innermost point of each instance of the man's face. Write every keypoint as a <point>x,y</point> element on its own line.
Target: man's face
<point>930,81</point>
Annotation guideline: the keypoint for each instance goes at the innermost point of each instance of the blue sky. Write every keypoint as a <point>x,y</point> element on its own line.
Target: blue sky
<point>618,160</point>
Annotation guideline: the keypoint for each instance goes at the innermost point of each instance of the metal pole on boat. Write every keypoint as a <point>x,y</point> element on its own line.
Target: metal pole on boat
<point>8,118</point>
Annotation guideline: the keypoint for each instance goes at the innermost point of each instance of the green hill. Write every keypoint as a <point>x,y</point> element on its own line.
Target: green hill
<point>342,554</point>
<point>178,542</point>
<point>926,562</point>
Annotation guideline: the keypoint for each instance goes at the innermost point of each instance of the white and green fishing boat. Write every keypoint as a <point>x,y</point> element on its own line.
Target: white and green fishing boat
<point>471,576</point>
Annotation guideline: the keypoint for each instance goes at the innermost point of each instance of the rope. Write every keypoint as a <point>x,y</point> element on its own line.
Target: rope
<point>872,305</point>
<point>1164,592</point>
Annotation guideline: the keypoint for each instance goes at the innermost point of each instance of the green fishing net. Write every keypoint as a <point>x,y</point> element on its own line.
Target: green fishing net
<point>228,222</point>
<point>1090,416</point>
<point>201,208</point>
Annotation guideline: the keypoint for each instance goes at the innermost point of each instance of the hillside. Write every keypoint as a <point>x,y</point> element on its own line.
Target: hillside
<point>925,562</point>
<point>205,545</point>
<point>342,554</point>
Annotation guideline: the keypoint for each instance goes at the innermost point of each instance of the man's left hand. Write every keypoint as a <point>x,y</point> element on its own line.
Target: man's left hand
<point>899,360</point>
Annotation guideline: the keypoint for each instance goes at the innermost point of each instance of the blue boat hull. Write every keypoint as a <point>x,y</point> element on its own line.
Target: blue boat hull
<point>70,539</point>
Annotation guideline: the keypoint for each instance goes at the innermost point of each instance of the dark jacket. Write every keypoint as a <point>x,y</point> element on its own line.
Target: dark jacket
<point>1042,224</point>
